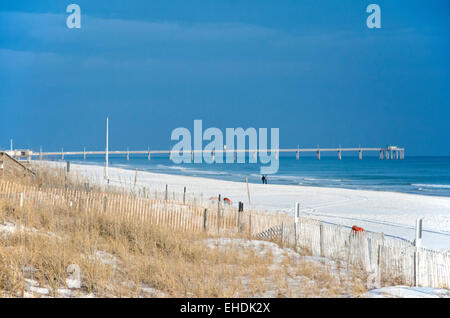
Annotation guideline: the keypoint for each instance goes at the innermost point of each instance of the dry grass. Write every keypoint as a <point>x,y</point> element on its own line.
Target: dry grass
<point>123,258</point>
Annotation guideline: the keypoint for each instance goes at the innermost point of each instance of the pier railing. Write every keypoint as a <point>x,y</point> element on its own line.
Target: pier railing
<point>386,260</point>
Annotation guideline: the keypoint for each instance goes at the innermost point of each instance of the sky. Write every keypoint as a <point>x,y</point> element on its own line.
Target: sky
<point>311,68</point>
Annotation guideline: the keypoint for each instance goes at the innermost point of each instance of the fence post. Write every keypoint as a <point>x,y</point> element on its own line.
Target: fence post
<point>184,196</point>
<point>321,240</point>
<point>379,265</point>
<point>105,204</point>
<point>21,199</point>
<point>248,191</point>
<point>417,243</point>
<point>282,233</point>
<point>250,224</point>
<point>418,240</point>
<point>296,219</point>
<point>240,210</point>
<point>416,267</point>
<point>205,220</point>
<point>135,177</point>
<point>218,215</point>
<point>369,251</point>
<point>166,192</point>
<point>68,166</point>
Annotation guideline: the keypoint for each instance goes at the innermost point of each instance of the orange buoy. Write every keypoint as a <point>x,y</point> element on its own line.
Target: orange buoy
<point>227,200</point>
<point>357,228</point>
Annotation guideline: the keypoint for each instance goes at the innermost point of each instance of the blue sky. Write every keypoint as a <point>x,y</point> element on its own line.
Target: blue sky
<point>311,68</point>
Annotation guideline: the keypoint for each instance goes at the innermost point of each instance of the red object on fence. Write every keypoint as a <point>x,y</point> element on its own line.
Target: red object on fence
<point>357,228</point>
<point>225,200</point>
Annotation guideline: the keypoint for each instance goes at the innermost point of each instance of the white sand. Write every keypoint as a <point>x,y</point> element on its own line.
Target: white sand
<point>388,212</point>
<point>407,292</point>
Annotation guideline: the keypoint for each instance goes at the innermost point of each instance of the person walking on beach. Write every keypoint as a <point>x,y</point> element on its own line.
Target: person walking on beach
<point>264,179</point>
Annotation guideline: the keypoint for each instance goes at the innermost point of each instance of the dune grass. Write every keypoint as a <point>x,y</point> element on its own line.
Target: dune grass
<point>124,258</point>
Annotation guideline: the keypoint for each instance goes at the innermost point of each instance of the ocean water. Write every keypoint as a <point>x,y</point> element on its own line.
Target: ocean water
<point>421,175</point>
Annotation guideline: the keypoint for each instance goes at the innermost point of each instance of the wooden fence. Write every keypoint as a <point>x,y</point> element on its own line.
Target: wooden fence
<point>181,215</point>
<point>385,259</point>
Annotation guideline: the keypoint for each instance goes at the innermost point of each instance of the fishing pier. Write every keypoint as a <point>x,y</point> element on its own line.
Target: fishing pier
<point>384,153</point>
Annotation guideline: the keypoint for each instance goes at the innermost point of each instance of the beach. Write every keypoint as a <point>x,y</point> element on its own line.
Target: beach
<point>391,213</point>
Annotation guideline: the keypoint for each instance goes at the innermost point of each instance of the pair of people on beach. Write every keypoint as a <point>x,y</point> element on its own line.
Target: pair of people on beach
<point>264,179</point>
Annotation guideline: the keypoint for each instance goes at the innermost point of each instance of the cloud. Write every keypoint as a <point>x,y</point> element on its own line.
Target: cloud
<point>173,52</point>
<point>131,39</point>
<point>99,35</point>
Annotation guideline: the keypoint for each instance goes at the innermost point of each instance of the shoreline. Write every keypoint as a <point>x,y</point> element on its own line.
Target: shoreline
<point>372,175</point>
<point>392,213</point>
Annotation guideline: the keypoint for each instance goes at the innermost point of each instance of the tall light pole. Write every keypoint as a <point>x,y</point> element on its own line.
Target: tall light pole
<point>107,149</point>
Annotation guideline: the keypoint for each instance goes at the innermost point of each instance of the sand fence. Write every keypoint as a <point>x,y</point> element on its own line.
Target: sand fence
<point>384,259</point>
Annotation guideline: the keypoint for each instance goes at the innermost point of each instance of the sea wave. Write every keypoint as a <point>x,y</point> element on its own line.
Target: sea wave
<point>322,179</point>
<point>171,167</point>
<point>434,186</point>
<point>279,177</point>
<point>122,165</point>
<point>189,170</point>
